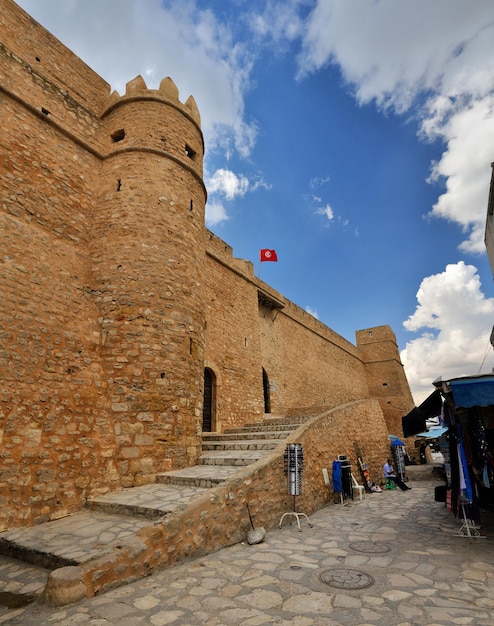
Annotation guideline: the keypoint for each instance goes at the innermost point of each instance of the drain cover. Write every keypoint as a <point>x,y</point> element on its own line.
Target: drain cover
<point>346,578</point>
<point>370,547</point>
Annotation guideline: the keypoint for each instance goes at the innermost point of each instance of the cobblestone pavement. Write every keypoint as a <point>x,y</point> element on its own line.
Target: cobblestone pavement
<point>396,558</point>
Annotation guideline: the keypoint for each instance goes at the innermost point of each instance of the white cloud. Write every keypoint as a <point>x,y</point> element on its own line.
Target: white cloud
<point>312,312</point>
<point>228,184</point>
<point>327,211</point>
<point>121,39</point>
<point>319,181</point>
<point>436,55</point>
<point>465,165</point>
<point>391,50</point>
<point>215,213</point>
<point>279,22</point>
<point>455,319</point>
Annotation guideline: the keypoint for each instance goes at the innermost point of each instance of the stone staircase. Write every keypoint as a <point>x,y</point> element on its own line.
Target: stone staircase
<point>107,519</point>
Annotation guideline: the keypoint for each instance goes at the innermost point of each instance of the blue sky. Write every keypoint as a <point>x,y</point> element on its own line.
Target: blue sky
<point>355,137</point>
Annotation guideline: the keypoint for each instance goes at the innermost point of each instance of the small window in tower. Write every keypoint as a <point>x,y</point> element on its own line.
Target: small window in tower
<point>38,59</point>
<point>189,152</point>
<point>45,111</point>
<point>118,135</point>
<point>191,206</point>
<point>385,384</point>
<point>119,184</point>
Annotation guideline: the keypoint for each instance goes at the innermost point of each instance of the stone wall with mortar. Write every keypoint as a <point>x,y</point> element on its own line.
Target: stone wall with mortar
<point>116,297</point>
<point>102,247</point>
<point>56,438</point>
<point>220,517</point>
<point>385,374</point>
<point>232,349</point>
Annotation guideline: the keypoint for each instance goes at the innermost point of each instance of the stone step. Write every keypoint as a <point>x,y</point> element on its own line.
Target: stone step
<point>242,444</point>
<point>79,537</point>
<point>71,540</point>
<point>236,458</point>
<point>260,428</point>
<point>116,516</point>
<point>294,419</point>
<point>149,501</point>
<point>206,476</point>
<point>254,435</point>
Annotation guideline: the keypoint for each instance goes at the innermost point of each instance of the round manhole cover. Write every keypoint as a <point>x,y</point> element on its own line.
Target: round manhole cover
<point>370,547</point>
<point>346,578</point>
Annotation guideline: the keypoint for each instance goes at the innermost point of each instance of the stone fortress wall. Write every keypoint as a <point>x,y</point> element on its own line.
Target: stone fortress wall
<point>116,299</point>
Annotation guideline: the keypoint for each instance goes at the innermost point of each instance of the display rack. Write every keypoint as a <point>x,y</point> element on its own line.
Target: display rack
<point>294,464</point>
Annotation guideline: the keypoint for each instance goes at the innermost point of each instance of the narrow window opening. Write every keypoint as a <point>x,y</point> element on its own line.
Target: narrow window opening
<point>245,341</point>
<point>38,59</point>
<point>266,391</point>
<point>119,184</point>
<point>118,135</point>
<point>191,206</point>
<point>189,152</point>
<point>191,346</point>
<point>162,375</point>
<point>45,111</point>
<point>385,384</point>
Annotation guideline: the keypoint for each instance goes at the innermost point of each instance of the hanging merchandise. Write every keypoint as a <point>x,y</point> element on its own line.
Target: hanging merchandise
<point>398,451</point>
<point>336,477</point>
<point>465,483</point>
<point>346,476</point>
<point>294,465</point>
<point>480,449</point>
<point>293,468</point>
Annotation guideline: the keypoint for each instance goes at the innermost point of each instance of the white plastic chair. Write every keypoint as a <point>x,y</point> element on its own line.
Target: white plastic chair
<point>357,487</point>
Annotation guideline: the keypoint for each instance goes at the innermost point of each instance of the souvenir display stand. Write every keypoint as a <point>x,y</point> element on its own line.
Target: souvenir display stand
<point>294,463</point>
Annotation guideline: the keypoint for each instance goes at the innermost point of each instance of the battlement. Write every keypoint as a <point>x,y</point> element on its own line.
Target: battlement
<point>168,93</point>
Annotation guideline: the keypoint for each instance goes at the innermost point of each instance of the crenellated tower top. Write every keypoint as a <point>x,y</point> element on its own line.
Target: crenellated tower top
<point>167,92</point>
<point>155,120</point>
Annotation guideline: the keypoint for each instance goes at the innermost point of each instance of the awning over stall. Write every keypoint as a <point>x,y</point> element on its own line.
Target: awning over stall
<point>434,433</point>
<point>414,422</point>
<point>396,441</point>
<point>473,391</point>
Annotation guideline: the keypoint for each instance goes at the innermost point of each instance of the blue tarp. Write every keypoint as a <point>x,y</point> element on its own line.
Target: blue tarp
<point>395,441</point>
<point>473,391</point>
<point>433,433</point>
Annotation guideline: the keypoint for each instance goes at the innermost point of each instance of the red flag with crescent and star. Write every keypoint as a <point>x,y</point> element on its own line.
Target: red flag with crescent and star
<point>268,255</point>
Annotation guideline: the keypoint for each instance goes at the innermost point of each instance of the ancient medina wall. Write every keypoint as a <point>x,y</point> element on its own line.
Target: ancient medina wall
<point>115,297</point>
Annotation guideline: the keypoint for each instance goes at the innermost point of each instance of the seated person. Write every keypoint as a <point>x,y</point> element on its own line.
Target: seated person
<point>390,473</point>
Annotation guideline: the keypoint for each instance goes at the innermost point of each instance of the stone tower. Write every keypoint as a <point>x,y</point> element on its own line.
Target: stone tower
<point>385,374</point>
<point>147,259</point>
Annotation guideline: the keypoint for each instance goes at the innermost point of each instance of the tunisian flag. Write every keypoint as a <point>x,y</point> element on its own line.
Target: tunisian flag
<point>268,255</point>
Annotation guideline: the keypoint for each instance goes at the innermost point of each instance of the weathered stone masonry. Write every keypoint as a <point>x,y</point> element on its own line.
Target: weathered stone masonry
<point>116,298</point>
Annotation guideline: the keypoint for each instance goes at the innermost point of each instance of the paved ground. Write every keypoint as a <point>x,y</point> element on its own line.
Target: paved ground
<point>395,558</point>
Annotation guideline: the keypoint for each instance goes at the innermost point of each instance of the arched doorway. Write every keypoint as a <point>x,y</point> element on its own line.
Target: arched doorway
<point>208,408</point>
<point>265,386</point>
